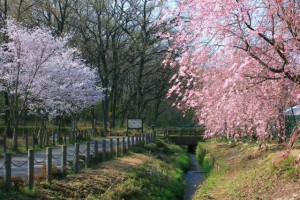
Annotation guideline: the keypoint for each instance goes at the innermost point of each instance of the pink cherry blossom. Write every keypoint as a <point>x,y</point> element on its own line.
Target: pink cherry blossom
<point>238,63</point>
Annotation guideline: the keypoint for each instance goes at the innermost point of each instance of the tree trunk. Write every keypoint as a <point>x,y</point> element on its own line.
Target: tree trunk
<point>15,136</point>
<point>7,118</point>
<point>104,113</point>
<point>59,130</point>
<point>93,118</point>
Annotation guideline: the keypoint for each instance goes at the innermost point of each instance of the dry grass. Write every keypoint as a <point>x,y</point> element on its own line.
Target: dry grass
<point>91,181</point>
<point>246,173</point>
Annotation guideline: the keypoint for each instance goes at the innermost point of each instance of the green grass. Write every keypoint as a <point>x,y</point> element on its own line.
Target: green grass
<point>16,193</point>
<point>243,171</point>
<point>182,162</point>
<point>159,179</point>
<point>284,166</point>
<point>154,180</point>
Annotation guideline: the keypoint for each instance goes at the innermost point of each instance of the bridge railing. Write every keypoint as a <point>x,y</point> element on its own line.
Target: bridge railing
<point>183,132</point>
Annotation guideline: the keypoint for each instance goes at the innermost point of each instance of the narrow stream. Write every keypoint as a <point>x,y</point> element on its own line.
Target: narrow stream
<point>193,178</point>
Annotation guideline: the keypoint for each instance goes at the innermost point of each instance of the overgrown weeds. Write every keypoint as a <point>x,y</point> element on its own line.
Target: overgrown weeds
<point>159,178</point>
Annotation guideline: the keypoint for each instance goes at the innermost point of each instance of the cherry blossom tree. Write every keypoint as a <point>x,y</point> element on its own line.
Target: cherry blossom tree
<point>39,71</point>
<point>238,63</point>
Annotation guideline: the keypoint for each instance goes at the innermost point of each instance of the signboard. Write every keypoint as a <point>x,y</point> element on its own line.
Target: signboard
<point>135,124</point>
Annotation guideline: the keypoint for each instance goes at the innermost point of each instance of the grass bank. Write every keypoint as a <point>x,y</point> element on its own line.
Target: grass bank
<point>243,171</point>
<point>151,172</point>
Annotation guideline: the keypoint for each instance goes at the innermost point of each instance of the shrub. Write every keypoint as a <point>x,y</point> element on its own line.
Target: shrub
<point>42,175</point>
<point>102,132</point>
<point>151,147</point>
<point>17,182</point>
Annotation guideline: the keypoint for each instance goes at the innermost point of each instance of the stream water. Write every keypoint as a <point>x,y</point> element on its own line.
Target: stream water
<point>193,178</point>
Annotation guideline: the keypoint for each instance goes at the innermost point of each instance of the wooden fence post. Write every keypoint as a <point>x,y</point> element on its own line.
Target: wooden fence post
<point>76,161</point>
<point>7,171</point>
<point>143,139</point>
<point>136,140</point>
<point>49,164</point>
<point>103,149</point>
<point>4,143</point>
<point>96,151</point>
<point>65,137</point>
<point>124,149</point>
<point>87,155</point>
<point>41,138</point>
<point>128,143</point>
<point>111,145</point>
<point>140,139</point>
<point>132,141</point>
<point>73,137</point>
<point>64,160</point>
<point>148,138</point>
<point>70,137</point>
<point>118,147</point>
<point>30,168</point>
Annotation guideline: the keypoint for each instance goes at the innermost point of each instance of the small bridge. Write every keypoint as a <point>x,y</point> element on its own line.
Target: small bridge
<point>189,137</point>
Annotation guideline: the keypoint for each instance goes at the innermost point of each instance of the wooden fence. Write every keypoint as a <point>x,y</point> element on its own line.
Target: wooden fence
<point>46,138</point>
<point>78,159</point>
